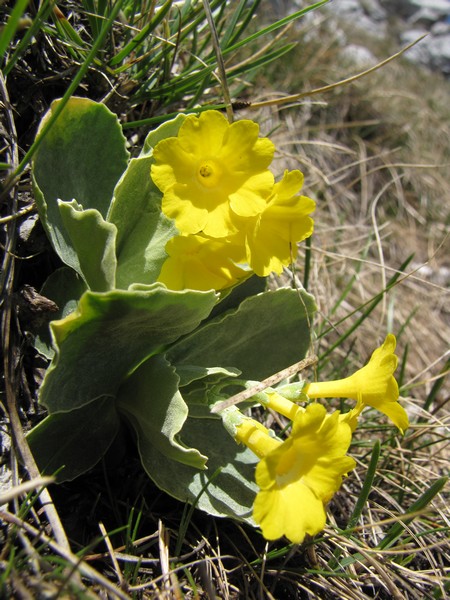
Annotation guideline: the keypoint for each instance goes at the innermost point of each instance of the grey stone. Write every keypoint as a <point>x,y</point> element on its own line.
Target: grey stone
<point>439,50</point>
<point>412,19</point>
<point>425,17</point>
<point>358,55</point>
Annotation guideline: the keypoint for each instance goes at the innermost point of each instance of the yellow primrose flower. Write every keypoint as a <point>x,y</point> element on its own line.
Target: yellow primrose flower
<point>299,476</point>
<point>209,170</point>
<point>199,263</point>
<point>272,236</point>
<point>373,385</point>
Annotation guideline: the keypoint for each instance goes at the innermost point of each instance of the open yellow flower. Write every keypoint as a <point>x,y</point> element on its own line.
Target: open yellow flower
<point>199,263</point>
<point>299,476</point>
<point>211,170</point>
<point>373,385</point>
<point>272,236</point>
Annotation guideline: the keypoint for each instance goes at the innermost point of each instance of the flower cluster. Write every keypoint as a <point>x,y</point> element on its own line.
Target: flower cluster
<point>297,477</point>
<point>233,219</point>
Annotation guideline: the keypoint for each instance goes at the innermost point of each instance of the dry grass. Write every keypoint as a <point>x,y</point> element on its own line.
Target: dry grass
<point>375,156</point>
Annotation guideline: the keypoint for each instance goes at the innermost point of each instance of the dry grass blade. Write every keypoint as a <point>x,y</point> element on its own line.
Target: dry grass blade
<point>71,559</point>
<point>24,488</point>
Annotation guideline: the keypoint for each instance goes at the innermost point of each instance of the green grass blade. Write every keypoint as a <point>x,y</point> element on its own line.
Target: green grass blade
<point>419,505</point>
<point>372,304</point>
<point>11,26</point>
<point>435,389</point>
<point>307,265</point>
<point>403,364</point>
<point>189,511</point>
<point>354,278</point>
<point>231,26</point>
<point>75,45</point>
<point>39,19</point>
<point>243,26</point>
<point>367,486</point>
<point>260,62</point>
<point>362,499</point>
<point>142,35</point>
<point>152,121</point>
<point>274,26</point>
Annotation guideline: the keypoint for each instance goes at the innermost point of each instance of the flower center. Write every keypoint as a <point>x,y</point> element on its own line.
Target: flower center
<point>208,174</point>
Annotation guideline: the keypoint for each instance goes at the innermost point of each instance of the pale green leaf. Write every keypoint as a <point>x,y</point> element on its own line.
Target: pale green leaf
<point>64,286</point>
<point>264,335</point>
<point>143,230</point>
<point>82,157</point>
<point>232,490</point>
<point>110,334</point>
<point>167,129</point>
<point>93,240</point>
<point>71,443</point>
<point>151,402</point>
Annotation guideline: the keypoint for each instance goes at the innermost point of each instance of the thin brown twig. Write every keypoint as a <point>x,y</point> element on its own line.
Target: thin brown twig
<point>24,488</point>
<point>266,383</point>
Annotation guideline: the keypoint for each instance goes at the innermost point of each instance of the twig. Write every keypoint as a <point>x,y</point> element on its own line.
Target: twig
<point>266,383</point>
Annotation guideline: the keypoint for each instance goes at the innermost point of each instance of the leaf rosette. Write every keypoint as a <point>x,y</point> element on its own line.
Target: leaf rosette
<point>133,348</point>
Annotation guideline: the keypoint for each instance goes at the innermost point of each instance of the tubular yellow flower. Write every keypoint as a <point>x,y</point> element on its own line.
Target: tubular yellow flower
<point>299,476</point>
<point>272,236</point>
<point>211,169</point>
<point>199,263</point>
<point>281,405</point>
<point>373,385</point>
<point>256,437</point>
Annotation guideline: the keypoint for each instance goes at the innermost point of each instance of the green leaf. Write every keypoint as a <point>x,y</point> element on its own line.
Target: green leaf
<point>151,402</point>
<point>64,286</point>
<point>198,387</point>
<point>143,230</point>
<point>82,157</point>
<point>230,493</point>
<point>265,334</point>
<point>231,299</point>
<point>192,373</point>
<point>75,440</point>
<point>165,130</point>
<point>110,334</point>
<point>93,240</point>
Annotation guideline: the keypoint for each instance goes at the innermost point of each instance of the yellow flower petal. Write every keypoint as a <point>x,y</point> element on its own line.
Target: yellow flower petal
<point>300,475</point>
<point>199,263</point>
<point>272,236</point>
<point>208,166</point>
<point>293,511</point>
<point>373,385</point>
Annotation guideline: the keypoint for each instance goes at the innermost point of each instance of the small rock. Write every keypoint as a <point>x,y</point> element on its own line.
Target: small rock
<point>360,56</point>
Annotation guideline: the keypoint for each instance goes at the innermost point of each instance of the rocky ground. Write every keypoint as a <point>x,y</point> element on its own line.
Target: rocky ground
<point>402,21</point>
